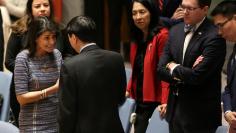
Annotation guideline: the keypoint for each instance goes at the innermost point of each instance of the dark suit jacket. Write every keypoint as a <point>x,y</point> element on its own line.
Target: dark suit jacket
<point>199,93</point>
<point>92,85</point>
<point>229,95</point>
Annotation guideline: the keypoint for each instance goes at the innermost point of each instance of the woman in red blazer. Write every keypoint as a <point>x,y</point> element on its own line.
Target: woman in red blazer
<point>149,38</point>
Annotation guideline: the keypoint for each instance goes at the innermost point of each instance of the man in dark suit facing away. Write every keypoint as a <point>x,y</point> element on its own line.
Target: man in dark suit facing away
<point>92,84</point>
<point>192,61</point>
<point>224,16</point>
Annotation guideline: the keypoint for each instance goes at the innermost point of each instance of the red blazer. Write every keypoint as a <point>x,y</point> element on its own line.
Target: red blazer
<point>154,90</point>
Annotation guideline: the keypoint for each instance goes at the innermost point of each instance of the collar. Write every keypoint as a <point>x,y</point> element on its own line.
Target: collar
<point>192,28</point>
<point>198,24</point>
<point>86,45</point>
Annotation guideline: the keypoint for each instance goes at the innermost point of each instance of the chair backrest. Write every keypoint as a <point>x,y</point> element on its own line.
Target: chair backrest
<point>125,111</point>
<point>5,83</point>
<point>8,128</point>
<point>222,129</point>
<point>157,124</point>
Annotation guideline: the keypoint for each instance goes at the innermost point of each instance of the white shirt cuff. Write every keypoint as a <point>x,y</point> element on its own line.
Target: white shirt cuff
<point>227,111</point>
<point>172,69</point>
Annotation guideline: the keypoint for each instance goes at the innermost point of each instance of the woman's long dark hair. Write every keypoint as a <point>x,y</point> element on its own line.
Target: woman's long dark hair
<point>38,26</point>
<point>154,26</point>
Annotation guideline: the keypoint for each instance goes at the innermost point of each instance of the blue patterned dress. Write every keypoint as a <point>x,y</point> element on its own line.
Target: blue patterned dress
<point>33,74</point>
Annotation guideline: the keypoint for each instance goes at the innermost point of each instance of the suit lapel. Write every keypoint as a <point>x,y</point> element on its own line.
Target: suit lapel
<point>231,67</point>
<point>199,33</point>
<point>181,36</point>
<point>192,42</point>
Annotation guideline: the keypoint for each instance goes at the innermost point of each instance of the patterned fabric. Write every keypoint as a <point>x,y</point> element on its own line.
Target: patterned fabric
<point>33,74</point>
<point>189,28</point>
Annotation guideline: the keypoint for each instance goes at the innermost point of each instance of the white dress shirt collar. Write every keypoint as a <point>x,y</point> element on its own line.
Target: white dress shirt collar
<point>86,45</point>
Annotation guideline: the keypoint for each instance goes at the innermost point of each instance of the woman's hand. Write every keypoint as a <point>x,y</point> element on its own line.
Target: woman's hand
<point>162,109</point>
<point>127,94</point>
<point>57,85</point>
<point>198,61</point>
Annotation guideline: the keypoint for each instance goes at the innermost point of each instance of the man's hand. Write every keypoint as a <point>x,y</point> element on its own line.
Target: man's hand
<point>178,14</point>
<point>170,65</point>
<point>231,118</point>
<point>198,60</point>
<point>162,109</point>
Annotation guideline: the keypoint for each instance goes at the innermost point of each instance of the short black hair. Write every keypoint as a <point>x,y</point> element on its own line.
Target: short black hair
<point>225,8</point>
<point>203,3</point>
<point>83,27</point>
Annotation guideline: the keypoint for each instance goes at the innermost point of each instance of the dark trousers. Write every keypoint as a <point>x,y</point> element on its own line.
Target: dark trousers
<point>178,125</point>
<point>175,127</point>
<point>144,112</point>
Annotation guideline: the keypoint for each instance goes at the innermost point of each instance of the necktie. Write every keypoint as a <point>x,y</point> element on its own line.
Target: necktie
<point>189,28</point>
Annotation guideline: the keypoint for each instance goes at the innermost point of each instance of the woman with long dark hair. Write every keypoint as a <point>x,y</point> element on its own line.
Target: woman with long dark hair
<point>16,42</point>
<point>148,39</point>
<point>37,71</point>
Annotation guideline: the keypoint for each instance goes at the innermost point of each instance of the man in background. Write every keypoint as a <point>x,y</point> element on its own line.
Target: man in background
<point>224,16</point>
<point>191,62</point>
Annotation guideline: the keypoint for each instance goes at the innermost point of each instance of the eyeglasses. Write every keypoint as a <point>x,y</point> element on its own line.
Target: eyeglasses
<point>188,9</point>
<point>221,25</point>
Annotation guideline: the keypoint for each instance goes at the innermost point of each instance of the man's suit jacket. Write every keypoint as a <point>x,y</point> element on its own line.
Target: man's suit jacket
<point>199,92</point>
<point>229,95</point>
<point>92,85</point>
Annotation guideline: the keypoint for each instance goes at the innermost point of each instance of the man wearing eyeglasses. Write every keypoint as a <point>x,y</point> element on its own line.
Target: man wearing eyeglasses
<point>224,16</point>
<point>192,61</point>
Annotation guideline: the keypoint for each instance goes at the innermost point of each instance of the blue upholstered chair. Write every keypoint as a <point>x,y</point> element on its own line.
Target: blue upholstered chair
<point>6,127</point>
<point>222,129</point>
<point>157,124</point>
<point>5,83</point>
<point>125,112</point>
